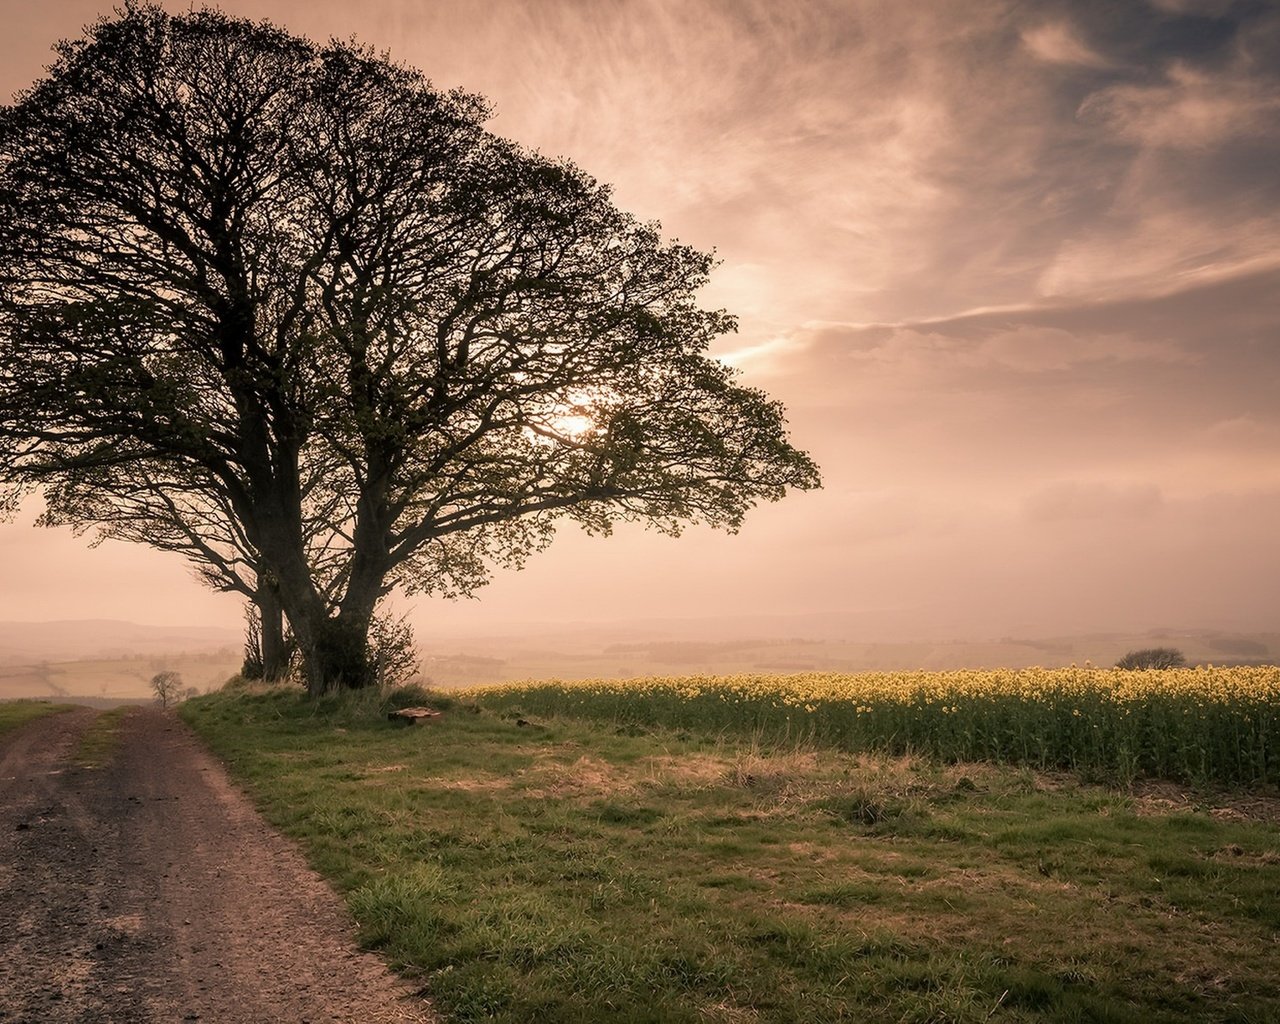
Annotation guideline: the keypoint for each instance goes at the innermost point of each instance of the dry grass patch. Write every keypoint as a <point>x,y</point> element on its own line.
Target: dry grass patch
<point>781,776</point>
<point>814,853</point>
<point>727,1013</point>
<point>586,778</point>
<point>473,784</point>
<point>1234,853</point>
<point>685,771</point>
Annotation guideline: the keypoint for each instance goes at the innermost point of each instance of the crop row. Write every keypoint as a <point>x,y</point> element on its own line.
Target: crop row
<point>1202,724</point>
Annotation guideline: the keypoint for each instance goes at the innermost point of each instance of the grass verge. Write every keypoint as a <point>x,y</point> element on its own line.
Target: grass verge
<point>569,871</point>
<point>14,713</point>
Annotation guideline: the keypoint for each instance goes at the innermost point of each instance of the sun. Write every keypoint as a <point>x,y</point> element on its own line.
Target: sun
<point>574,425</point>
<point>569,419</point>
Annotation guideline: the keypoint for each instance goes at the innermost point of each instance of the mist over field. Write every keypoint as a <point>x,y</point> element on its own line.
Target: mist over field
<point>117,660</point>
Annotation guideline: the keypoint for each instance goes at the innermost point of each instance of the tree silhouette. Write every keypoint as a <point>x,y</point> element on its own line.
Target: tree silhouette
<point>311,298</point>
<point>1153,657</point>
<point>188,515</point>
<point>167,686</point>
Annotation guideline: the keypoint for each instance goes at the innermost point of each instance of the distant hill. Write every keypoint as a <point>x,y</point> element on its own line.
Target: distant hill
<point>75,639</point>
<point>113,659</point>
<point>603,652</point>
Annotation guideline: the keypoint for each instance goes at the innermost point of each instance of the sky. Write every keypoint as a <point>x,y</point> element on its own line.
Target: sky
<point>1012,267</point>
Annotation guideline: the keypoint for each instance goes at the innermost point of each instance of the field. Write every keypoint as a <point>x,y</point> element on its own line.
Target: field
<point>634,653</point>
<point>1200,725</point>
<point>585,853</point>
<point>14,713</point>
<point>114,678</point>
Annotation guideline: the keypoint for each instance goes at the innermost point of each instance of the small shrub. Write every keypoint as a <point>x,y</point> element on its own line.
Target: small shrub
<point>1152,657</point>
<point>391,651</point>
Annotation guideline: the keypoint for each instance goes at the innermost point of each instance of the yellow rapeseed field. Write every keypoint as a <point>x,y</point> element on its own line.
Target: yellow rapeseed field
<point>1199,724</point>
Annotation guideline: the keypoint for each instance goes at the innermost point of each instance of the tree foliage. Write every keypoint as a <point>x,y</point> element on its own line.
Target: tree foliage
<point>292,312</point>
<point>1153,657</point>
<point>392,651</point>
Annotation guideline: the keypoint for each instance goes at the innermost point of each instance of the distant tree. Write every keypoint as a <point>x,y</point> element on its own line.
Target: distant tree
<point>1153,657</point>
<point>356,340</point>
<point>167,686</point>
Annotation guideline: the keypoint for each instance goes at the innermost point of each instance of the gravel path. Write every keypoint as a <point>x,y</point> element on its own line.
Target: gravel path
<point>149,890</point>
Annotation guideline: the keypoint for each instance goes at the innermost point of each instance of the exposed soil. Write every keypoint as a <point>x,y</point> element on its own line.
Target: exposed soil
<point>149,890</point>
<point>1152,796</point>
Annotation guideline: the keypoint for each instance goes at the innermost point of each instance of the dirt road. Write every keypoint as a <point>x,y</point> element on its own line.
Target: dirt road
<point>149,890</point>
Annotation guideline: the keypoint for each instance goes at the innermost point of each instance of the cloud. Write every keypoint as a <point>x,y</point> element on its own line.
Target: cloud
<point>866,160</point>
<point>1244,432</point>
<point>1058,43</point>
<point>1157,245</point>
<point>1036,349</point>
<point>1209,8</point>
<point>969,346</point>
<point>1190,109</point>
<point>979,409</point>
<point>1183,143</point>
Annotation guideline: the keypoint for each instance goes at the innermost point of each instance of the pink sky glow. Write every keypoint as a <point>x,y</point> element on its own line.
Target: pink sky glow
<point>1013,268</point>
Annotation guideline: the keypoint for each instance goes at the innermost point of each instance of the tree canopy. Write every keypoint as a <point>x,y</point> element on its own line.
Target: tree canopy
<point>1153,657</point>
<point>288,309</point>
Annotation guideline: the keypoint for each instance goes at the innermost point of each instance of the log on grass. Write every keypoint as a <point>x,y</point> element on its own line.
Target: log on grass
<point>413,716</point>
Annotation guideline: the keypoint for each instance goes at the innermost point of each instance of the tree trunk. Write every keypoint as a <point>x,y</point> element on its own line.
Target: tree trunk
<point>338,655</point>
<point>275,649</point>
<point>334,647</point>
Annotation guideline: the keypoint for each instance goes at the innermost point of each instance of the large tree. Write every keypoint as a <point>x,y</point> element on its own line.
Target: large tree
<point>189,514</point>
<point>309,300</point>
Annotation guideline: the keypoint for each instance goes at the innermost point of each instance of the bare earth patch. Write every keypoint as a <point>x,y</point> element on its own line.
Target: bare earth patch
<point>148,890</point>
<point>1154,797</point>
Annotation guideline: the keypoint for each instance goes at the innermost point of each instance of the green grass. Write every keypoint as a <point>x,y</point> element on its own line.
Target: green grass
<point>14,713</point>
<point>101,739</point>
<point>571,871</point>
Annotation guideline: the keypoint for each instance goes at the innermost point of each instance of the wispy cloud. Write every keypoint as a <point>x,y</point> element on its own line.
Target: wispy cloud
<point>1177,389</point>
<point>1188,109</point>
<point>1159,245</point>
<point>1057,43</point>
